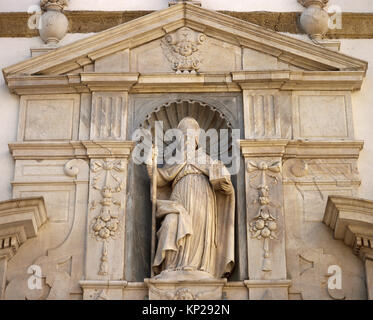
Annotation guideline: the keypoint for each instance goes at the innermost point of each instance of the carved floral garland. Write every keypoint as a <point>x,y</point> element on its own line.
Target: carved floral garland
<point>264,225</point>
<point>106,224</point>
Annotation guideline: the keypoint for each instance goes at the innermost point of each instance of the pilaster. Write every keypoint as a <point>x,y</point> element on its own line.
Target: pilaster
<point>105,250</point>
<point>265,218</point>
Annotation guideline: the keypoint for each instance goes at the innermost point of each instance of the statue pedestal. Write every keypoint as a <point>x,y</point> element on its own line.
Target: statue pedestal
<point>203,289</point>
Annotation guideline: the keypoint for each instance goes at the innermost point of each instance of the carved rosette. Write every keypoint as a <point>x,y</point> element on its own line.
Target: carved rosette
<point>264,225</point>
<point>106,224</point>
<point>183,49</point>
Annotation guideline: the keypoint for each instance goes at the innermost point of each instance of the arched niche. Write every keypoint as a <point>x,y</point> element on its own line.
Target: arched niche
<point>228,105</point>
<point>220,112</point>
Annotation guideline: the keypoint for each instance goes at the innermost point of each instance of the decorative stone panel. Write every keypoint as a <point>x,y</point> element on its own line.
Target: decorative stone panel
<point>62,112</point>
<point>322,115</point>
<point>109,116</point>
<point>261,114</point>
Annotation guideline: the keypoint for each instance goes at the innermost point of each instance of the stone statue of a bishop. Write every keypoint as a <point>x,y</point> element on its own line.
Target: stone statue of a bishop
<point>196,234</point>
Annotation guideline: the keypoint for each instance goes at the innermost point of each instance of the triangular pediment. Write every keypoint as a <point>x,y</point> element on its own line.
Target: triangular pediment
<point>141,39</point>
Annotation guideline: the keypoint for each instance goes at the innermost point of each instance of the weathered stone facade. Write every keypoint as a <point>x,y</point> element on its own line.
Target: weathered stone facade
<point>79,107</point>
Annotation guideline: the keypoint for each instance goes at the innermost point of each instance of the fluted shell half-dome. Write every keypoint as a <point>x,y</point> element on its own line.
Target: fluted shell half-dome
<point>208,117</point>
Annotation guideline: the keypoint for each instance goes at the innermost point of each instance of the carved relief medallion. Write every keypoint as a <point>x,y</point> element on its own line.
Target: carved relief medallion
<point>183,49</point>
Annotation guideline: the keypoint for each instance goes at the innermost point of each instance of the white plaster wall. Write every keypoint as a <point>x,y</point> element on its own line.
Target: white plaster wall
<point>363,112</point>
<point>14,50</point>
<point>236,5</point>
<point>11,51</point>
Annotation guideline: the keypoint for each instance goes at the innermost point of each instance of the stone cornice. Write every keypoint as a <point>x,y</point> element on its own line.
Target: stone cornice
<point>211,23</point>
<point>301,149</point>
<point>127,35</point>
<point>204,282</point>
<point>170,82</point>
<point>285,48</point>
<point>263,147</point>
<point>287,149</point>
<point>108,149</point>
<point>71,149</point>
<point>299,80</point>
<point>306,149</point>
<point>108,81</point>
<point>351,220</point>
<point>98,284</point>
<point>267,283</point>
<point>20,219</point>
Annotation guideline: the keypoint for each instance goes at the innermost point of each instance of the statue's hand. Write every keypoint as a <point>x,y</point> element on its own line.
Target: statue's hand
<point>152,156</point>
<point>149,168</point>
<point>226,187</point>
<point>166,207</point>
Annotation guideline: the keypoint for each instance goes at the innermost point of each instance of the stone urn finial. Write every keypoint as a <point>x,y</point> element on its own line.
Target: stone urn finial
<point>314,20</point>
<point>54,23</point>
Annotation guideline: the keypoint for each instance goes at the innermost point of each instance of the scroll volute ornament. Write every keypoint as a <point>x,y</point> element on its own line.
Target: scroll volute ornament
<point>183,49</point>
<point>314,20</point>
<point>54,23</point>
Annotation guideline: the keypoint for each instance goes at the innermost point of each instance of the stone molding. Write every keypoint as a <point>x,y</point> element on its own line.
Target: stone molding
<point>69,150</point>
<point>153,83</point>
<point>298,80</point>
<point>20,219</point>
<point>287,149</point>
<point>109,81</point>
<point>301,149</point>
<point>267,283</point>
<point>351,220</point>
<point>160,23</point>
<point>89,284</point>
<point>204,289</point>
<point>103,290</point>
<point>119,290</point>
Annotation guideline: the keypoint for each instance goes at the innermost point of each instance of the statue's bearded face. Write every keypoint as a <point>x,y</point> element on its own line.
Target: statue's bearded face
<point>190,129</point>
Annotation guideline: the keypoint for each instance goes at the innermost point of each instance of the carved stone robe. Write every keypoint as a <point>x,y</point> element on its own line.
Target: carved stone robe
<point>197,228</point>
